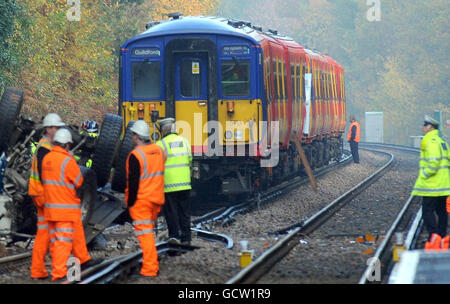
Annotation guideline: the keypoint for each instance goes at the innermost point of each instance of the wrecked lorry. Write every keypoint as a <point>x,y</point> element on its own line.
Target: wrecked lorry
<point>101,205</point>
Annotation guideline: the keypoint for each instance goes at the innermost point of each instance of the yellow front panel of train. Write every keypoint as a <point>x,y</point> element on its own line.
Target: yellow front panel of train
<point>240,121</point>
<point>191,116</point>
<point>142,110</point>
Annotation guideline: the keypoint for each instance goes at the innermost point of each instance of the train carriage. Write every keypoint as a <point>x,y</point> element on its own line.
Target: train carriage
<point>227,84</point>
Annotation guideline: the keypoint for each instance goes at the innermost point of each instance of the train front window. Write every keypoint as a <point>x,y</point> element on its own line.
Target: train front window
<point>235,77</point>
<point>146,77</point>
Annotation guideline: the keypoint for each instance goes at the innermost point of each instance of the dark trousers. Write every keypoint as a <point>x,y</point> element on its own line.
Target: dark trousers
<point>177,212</point>
<point>354,149</point>
<point>430,206</point>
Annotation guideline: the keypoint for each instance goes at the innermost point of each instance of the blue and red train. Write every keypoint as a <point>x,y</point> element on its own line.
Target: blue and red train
<point>227,84</point>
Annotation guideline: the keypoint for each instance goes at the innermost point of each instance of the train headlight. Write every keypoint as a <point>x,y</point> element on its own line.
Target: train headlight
<point>230,107</point>
<point>141,107</point>
<point>238,134</point>
<point>228,135</point>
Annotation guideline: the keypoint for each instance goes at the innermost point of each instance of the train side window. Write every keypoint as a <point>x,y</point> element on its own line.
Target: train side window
<point>146,79</point>
<point>276,79</point>
<point>297,82</point>
<point>235,77</point>
<point>293,86</point>
<point>327,75</point>
<point>317,82</point>
<point>302,80</point>
<point>330,86</point>
<point>190,83</point>
<point>284,69</point>
<point>333,80</point>
<point>333,75</point>
<point>321,91</point>
<point>267,80</point>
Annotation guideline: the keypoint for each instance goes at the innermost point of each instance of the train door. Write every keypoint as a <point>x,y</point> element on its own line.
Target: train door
<point>191,96</point>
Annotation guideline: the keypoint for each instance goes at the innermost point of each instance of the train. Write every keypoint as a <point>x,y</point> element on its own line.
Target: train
<point>240,94</point>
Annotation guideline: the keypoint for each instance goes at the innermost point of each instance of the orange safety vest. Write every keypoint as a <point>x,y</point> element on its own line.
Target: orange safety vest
<point>35,187</point>
<point>358,130</point>
<point>151,182</point>
<point>61,176</point>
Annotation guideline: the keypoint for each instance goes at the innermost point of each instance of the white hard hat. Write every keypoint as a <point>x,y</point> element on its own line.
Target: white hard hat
<point>141,128</point>
<point>53,120</point>
<point>63,136</point>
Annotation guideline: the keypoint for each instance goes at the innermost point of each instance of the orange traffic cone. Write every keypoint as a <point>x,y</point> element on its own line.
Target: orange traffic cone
<point>434,243</point>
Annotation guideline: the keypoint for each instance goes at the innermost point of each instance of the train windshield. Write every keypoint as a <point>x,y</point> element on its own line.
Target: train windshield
<point>235,77</point>
<point>146,77</point>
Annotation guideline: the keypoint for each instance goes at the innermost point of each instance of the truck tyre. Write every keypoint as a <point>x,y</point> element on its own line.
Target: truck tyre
<point>106,148</point>
<point>119,178</point>
<point>10,106</point>
<point>87,193</point>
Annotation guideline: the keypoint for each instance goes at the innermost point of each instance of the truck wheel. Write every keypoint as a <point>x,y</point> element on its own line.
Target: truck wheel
<point>87,193</point>
<point>119,179</point>
<point>106,148</point>
<point>10,106</point>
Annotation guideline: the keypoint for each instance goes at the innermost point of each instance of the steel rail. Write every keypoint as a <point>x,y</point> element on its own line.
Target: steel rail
<point>215,237</point>
<point>392,146</point>
<point>111,269</point>
<point>382,249</point>
<point>15,257</point>
<point>260,266</point>
<point>414,231</point>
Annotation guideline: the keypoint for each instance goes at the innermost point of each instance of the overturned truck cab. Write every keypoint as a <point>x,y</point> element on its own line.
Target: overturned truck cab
<point>101,206</point>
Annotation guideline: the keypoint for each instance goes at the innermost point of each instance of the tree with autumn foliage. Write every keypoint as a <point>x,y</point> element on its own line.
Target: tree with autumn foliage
<point>71,67</point>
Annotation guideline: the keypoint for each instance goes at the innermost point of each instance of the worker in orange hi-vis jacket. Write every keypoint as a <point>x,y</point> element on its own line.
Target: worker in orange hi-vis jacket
<point>353,138</point>
<point>51,123</point>
<point>144,194</point>
<point>61,177</point>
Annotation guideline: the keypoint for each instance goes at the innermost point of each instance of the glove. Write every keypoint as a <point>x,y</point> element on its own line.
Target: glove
<point>448,204</point>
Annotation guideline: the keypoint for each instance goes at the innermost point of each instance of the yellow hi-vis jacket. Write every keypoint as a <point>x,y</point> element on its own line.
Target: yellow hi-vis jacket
<point>434,175</point>
<point>177,172</point>
<point>35,187</point>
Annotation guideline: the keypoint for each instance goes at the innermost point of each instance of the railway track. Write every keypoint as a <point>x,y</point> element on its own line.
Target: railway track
<point>222,217</point>
<point>381,262</point>
<point>253,272</point>
<point>9,262</point>
<point>383,256</point>
<point>118,268</point>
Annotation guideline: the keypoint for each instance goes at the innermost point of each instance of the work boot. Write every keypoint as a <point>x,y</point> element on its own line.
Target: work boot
<point>40,279</point>
<point>90,263</point>
<point>173,241</point>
